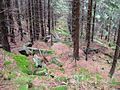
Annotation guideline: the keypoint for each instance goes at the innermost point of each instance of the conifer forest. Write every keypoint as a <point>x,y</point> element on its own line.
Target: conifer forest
<point>59,44</point>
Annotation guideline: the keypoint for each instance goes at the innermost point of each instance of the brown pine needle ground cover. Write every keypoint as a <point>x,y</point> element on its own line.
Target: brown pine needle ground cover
<point>88,75</point>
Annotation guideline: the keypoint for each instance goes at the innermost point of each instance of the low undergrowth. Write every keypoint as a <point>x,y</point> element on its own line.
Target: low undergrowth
<point>20,70</point>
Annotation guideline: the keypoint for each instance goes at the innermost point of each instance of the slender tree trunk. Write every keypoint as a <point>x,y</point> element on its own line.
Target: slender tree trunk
<point>27,14</point>
<point>82,19</point>
<point>19,19</point>
<point>49,15</point>
<point>101,34</point>
<point>75,27</point>
<point>93,26</point>
<point>45,16</point>
<point>109,30</point>
<point>89,18</point>
<point>69,18</point>
<point>3,27</point>
<point>11,21</point>
<point>33,19</point>
<point>116,55</point>
<point>30,20</point>
<point>106,37</point>
<point>37,28</point>
<point>41,19</point>
<point>52,14</point>
<point>115,35</point>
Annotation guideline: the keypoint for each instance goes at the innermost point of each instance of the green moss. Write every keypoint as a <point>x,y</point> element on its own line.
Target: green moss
<point>23,63</point>
<point>7,63</point>
<point>62,70</point>
<point>98,77</point>
<point>25,79</point>
<point>63,87</point>
<point>61,79</point>
<point>41,87</point>
<point>85,75</point>
<point>9,53</point>
<point>114,82</point>
<point>23,87</point>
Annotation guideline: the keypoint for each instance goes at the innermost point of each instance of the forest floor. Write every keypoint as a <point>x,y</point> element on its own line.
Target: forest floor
<point>60,72</point>
<point>63,75</point>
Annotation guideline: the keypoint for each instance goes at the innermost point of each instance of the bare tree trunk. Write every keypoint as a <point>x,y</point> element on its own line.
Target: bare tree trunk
<point>89,18</point>
<point>101,34</point>
<point>45,16</point>
<point>30,20</point>
<point>11,21</point>
<point>115,35</point>
<point>69,18</point>
<point>93,26</point>
<point>82,19</point>
<point>52,16</point>
<point>33,19</point>
<point>37,28</point>
<point>41,19</point>
<point>3,27</point>
<point>75,27</point>
<point>18,3</point>
<point>49,15</point>
<point>109,30</point>
<point>116,55</point>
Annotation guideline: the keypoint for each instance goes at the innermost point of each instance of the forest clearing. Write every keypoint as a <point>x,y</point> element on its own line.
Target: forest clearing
<point>59,44</point>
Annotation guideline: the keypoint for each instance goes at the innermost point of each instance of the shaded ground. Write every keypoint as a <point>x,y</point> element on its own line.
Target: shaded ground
<point>88,75</point>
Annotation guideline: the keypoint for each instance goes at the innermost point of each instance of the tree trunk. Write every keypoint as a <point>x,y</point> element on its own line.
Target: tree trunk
<point>116,55</point>
<point>93,26</point>
<point>69,18</point>
<point>82,19</point>
<point>115,35</point>
<point>37,28</point>
<point>30,20</point>
<point>49,15</point>
<point>45,16</point>
<point>3,27</point>
<point>11,20</point>
<point>33,18</point>
<point>109,30</point>
<point>41,19</point>
<point>89,18</point>
<point>75,27</point>
<point>18,3</point>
